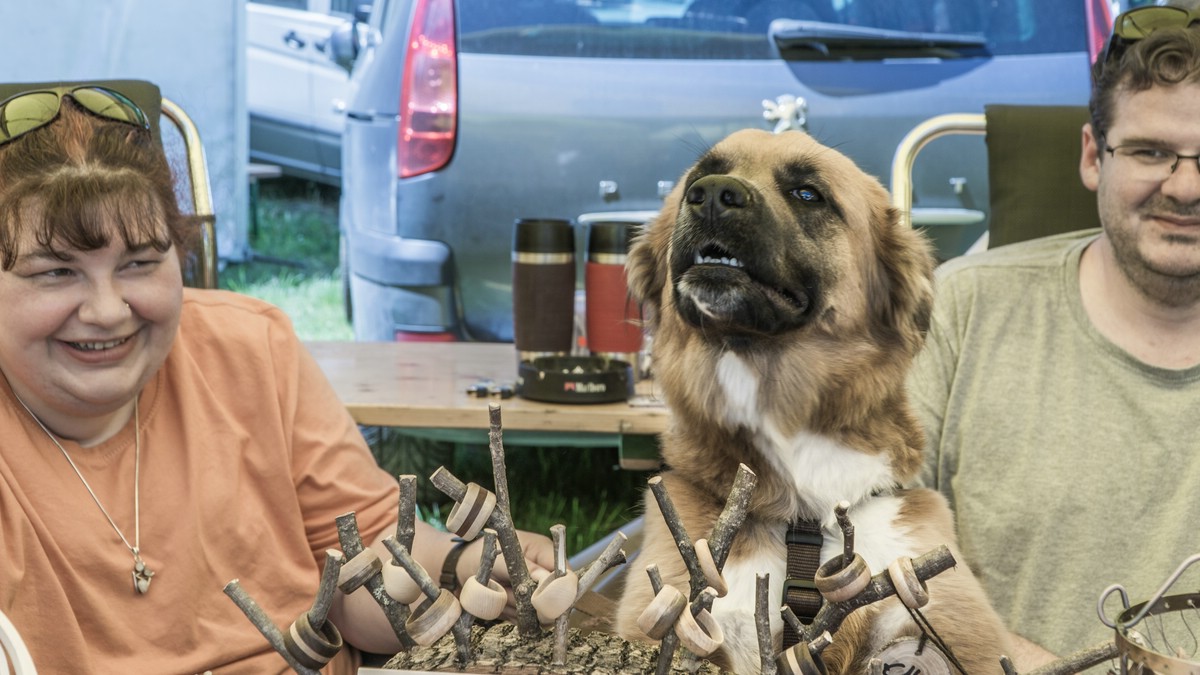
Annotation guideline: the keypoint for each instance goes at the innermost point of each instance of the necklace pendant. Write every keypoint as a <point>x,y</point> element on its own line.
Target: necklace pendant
<point>141,576</point>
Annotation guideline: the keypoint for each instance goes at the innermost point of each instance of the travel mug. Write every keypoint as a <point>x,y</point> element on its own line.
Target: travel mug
<point>614,327</point>
<point>543,287</point>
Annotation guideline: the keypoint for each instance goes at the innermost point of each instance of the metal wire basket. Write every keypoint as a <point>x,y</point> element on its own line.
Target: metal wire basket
<point>1160,635</point>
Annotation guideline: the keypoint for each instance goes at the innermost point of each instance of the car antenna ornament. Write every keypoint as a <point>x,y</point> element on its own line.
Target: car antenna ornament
<point>787,112</point>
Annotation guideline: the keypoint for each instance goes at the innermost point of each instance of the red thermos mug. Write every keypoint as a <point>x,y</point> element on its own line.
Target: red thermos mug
<point>614,328</point>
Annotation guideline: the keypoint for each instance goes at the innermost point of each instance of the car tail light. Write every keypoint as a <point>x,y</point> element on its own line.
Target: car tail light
<point>429,91</point>
<point>1100,21</point>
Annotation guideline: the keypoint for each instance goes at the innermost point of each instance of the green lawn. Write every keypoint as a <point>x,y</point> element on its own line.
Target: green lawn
<point>295,265</point>
<point>296,268</point>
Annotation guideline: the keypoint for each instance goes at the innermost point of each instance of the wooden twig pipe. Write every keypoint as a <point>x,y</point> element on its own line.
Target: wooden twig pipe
<point>468,516</point>
<point>800,660</point>
<point>483,602</point>
<point>433,619</point>
<point>334,559</point>
<point>842,513</point>
<point>700,633</point>
<point>399,584</point>
<point>312,647</point>
<point>263,623</point>
<point>708,566</point>
<point>909,588</point>
<point>415,571</point>
<point>610,557</point>
<point>762,623</point>
<point>358,570</point>
<point>520,580</point>
<point>555,595</point>
<point>660,615</point>
<point>838,581</point>
<point>352,545</point>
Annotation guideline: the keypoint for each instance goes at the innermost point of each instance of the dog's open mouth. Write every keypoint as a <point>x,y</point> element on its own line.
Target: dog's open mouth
<point>717,288</point>
<point>713,254</point>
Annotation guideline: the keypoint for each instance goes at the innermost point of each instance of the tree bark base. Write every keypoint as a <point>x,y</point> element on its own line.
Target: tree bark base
<point>501,649</point>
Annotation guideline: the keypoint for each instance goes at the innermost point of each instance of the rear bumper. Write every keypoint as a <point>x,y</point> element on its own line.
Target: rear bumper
<point>389,260</point>
<point>400,286</point>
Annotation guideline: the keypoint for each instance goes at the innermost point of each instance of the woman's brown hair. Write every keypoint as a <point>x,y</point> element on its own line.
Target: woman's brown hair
<point>74,180</point>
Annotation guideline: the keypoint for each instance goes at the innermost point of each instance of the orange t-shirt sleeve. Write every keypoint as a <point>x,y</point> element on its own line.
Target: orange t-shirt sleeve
<point>333,469</point>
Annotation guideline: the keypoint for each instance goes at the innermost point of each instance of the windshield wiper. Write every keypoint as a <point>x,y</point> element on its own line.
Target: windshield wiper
<point>826,38</point>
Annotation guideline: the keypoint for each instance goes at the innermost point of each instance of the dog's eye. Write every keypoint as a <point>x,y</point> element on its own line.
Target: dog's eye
<point>807,194</point>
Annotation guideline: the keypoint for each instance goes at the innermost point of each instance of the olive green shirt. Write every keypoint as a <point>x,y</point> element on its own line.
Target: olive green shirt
<point>1070,464</point>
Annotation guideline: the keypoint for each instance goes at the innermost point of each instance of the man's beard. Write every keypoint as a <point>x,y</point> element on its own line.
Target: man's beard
<point>1168,284</point>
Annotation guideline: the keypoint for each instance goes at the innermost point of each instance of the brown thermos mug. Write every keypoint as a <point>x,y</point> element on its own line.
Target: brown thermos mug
<point>543,287</point>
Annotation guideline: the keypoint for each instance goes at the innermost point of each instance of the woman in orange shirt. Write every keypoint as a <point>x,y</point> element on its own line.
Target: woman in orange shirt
<point>158,441</point>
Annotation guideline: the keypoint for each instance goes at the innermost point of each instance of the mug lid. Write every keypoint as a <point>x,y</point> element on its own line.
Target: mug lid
<point>611,236</point>
<point>543,235</point>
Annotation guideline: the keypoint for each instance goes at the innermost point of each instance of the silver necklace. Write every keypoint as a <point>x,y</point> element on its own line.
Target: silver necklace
<point>141,573</point>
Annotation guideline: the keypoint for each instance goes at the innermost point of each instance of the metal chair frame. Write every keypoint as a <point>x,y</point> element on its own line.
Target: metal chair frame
<point>202,200</point>
<point>918,138</point>
<point>1033,165</point>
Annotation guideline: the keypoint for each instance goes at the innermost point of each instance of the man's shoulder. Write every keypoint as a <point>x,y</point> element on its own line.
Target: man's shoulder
<point>1026,258</point>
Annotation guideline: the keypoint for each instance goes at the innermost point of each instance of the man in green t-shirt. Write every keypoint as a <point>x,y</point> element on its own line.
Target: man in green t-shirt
<point>1060,384</point>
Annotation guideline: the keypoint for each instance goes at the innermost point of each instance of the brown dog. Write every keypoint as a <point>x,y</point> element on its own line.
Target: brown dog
<point>786,303</point>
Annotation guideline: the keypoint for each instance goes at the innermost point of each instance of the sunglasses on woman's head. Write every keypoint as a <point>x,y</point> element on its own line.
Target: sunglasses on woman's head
<point>1138,23</point>
<point>30,110</point>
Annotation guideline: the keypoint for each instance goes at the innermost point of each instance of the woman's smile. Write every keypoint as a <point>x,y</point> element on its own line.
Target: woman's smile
<point>101,352</point>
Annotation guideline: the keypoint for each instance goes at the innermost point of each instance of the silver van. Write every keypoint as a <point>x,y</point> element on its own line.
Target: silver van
<point>463,116</point>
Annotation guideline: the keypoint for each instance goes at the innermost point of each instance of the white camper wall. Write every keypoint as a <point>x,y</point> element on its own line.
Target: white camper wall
<point>193,50</point>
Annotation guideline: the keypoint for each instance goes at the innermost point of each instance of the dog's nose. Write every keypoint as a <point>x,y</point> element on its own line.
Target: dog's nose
<point>717,194</point>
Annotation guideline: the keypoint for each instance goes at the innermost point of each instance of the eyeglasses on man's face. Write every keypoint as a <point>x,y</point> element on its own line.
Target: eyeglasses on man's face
<point>1150,163</point>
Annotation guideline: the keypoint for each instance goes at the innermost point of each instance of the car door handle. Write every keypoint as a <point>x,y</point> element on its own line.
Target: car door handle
<point>293,40</point>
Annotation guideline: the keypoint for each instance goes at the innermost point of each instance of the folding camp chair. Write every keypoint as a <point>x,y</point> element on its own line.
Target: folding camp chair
<point>185,152</point>
<point>1033,169</point>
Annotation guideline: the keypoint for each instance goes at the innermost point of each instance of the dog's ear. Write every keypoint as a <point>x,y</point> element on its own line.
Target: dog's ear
<point>646,267</point>
<point>902,299</point>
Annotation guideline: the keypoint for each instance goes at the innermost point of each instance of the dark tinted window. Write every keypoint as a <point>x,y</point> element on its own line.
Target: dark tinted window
<point>738,29</point>
<point>348,7</point>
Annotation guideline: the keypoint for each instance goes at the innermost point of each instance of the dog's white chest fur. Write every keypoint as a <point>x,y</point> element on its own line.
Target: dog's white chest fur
<point>823,473</point>
<point>822,470</point>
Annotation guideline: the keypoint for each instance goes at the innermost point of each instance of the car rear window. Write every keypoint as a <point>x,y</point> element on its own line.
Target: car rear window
<point>760,29</point>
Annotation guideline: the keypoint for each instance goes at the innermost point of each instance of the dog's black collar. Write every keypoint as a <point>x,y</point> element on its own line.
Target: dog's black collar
<point>804,539</point>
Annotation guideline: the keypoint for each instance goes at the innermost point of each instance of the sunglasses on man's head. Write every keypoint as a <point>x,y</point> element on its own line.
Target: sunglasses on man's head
<point>1138,23</point>
<point>30,110</point>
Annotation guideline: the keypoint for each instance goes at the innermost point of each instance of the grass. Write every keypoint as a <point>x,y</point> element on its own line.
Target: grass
<point>582,488</point>
<point>313,301</point>
<point>295,267</point>
<point>295,259</point>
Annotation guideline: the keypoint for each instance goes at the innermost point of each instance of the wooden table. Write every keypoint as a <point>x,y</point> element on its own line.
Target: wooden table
<point>422,387</point>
